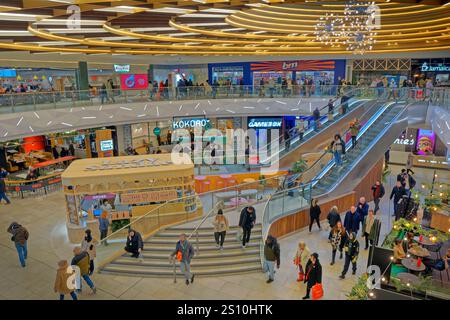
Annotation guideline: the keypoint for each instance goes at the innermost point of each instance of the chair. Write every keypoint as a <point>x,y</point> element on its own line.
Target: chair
<point>436,248</point>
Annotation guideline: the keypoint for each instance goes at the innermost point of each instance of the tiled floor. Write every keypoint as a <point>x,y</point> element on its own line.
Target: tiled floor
<point>45,219</point>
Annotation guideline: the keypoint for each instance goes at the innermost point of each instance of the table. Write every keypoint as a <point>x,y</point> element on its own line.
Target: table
<point>419,252</point>
<point>425,241</point>
<point>411,264</point>
<point>406,277</point>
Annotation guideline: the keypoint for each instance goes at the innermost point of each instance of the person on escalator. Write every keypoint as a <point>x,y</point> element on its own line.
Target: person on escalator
<point>338,149</point>
<point>316,119</point>
<point>330,109</point>
<point>355,127</point>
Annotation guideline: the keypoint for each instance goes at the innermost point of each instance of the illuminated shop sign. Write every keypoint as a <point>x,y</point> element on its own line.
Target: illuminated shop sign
<point>438,67</point>
<point>106,145</point>
<point>191,123</point>
<point>122,68</point>
<point>405,142</point>
<point>264,123</point>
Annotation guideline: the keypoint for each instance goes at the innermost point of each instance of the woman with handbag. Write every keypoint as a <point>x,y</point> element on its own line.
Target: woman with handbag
<point>89,245</point>
<point>301,259</point>
<point>337,239</point>
<point>313,278</point>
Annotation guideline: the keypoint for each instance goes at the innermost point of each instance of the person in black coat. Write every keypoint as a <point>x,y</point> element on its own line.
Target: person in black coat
<point>55,153</point>
<point>397,193</point>
<point>313,273</point>
<point>247,222</point>
<point>314,214</point>
<point>351,220</point>
<point>134,245</point>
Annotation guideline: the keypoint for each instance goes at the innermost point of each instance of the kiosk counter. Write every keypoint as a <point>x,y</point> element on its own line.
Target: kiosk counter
<point>150,191</point>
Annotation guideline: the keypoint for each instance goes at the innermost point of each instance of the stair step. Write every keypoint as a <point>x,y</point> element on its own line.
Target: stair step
<point>204,229</point>
<point>165,263</point>
<point>171,247</point>
<point>203,233</point>
<point>226,253</point>
<point>169,241</point>
<point>168,272</point>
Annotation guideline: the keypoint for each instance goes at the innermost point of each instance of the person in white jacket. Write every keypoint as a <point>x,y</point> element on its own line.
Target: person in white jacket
<point>301,258</point>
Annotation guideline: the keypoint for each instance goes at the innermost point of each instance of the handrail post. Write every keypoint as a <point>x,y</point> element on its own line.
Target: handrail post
<point>197,242</point>
<point>174,270</point>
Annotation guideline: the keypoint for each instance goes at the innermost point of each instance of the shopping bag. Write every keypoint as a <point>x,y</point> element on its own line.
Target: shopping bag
<point>239,235</point>
<point>179,256</point>
<point>301,276</point>
<point>317,291</point>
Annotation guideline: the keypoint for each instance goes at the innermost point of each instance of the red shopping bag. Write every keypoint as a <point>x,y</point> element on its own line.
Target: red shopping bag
<point>317,291</point>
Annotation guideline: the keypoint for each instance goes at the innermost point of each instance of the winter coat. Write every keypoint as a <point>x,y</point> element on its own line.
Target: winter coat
<point>351,248</point>
<point>314,212</point>
<point>90,247</point>
<point>60,285</point>
<point>220,226</point>
<point>336,239</point>
<point>19,233</point>
<point>351,221</point>
<point>354,129</point>
<point>135,243</point>
<point>272,250</point>
<point>333,218</point>
<point>397,193</point>
<point>381,192</point>
<point>313,273</point>
<point>373,228</point>
<point>186,249</point>
<point>2,185</point>
<point>302,256</point>
<point>82,261</point>
<point>247,220</point>
<point>364,211</point>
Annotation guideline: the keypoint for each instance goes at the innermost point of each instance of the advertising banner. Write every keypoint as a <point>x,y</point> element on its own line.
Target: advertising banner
<point>145,197</point>
<point>133,81</point>
<point>425,142</point>
<point>298,65</point>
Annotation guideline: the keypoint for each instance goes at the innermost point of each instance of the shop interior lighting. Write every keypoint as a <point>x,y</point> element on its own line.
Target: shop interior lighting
<point>83,22</point>
<point>8,16</point>
<point>172,10</point>
<point>203,15</point>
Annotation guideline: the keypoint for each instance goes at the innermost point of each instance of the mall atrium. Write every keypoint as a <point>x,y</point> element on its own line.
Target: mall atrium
<point>262,148</point>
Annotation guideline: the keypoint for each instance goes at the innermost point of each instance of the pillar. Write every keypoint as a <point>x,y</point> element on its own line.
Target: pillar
<point>82,76</point>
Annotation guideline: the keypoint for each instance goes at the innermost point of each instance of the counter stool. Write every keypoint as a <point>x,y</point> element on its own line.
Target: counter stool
<point>198,182</point>
<point>224,178</point>
<point>220,184</point>
<point>205,186</point>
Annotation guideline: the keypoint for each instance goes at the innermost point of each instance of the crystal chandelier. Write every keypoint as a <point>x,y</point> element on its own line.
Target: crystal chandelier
<point>355,30</point>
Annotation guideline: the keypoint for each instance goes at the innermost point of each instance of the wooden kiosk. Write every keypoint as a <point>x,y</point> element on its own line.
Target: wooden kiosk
<point>135,187</point>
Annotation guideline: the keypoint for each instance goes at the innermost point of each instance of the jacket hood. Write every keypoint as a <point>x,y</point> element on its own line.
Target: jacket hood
<point>272,239</point>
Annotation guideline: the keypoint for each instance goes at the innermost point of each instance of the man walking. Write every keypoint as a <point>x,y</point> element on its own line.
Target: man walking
<point>20,237</point>
<point>3,191</point>
<point>398,191</point>
<point>271,255</point>
<point>247,222</point>
<point>184,253</point>
<point>378,193</point>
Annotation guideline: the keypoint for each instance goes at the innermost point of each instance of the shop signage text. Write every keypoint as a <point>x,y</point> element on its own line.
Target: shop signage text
<point>266,123</point>
<point>145,197</point>
<point>125,164</point>
<point>122,68</point>
<point>190,123</point>
<point>439,67</point>
<point>406,142</point>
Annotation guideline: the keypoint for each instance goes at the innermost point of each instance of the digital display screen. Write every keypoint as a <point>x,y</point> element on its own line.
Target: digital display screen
<point>8,73</point>
<point>426,140</point>
<point>106,145</point>
<point>133,81</point>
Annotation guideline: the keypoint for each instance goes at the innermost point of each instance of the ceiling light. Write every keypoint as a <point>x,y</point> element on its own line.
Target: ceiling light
<point>15,33</point>
<point>203,15</point>
<point>152,29</point>
<point>215,10</point>
<point>183,34</point>
<point>172,10</point>
<point>64,22</point>
<point>7,16</point>
<point>9,8</point>
<point>123,9</point>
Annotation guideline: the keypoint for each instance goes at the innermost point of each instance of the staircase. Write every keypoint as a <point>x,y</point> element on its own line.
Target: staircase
<point>209,261</point>
<point>334,174</point>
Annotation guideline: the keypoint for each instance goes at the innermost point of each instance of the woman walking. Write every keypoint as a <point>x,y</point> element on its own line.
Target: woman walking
<point>337,239</point>
<point>88,245</point>
<point>301,259</point>
<point>313,273</point>
<point>314,214</point>
<point>220,224</point>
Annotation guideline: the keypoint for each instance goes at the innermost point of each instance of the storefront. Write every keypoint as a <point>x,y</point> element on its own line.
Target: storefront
<point>421,146</point>
<point>148,137</point>
<point>366,71</point>
<point>437,70</point>
<point>132,187</point>
<point>197,73</point>
<point>322,72</point>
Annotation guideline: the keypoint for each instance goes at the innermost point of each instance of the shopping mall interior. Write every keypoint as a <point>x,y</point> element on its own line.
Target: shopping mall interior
<point>272,150</point>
